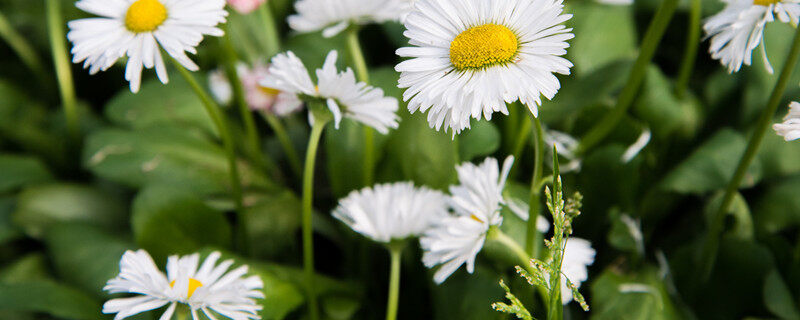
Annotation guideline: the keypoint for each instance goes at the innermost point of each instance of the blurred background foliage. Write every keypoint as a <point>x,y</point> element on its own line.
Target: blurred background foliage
<point>150,173</point>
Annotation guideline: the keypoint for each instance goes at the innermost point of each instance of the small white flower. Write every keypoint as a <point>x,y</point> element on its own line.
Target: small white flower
<point>389,212</point>
<point>139,30</point>
<point>334,16</point>
<point>578,255</point>
<point>790,128</point>
<point>209,289</point>
<point>339,90</point>
<point>457,239</point>
<point>258,97</point>
<point>738,29</point>
<point>471,57</point>
<point>566,146</point>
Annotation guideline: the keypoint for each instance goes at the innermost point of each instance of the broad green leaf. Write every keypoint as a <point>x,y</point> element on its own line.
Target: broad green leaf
<point>312,48</point>
<point>613,35</point>
<point>272,224</point>
<point>482,140</point>
<point>779,158</point>
<point>344,150</point>
<point>635,296</point>
<point>166,156</point>
<point>8,231</point>
<point>85,256</point>
<point>27,268</point>
<point>779,208</point>
<point>27,124</point>
<point>19,171</point>
<point>581,91</point>
<point>169,221</point>
<point>778,298</point>
<point>742,227</point>
<point>664,113</point>
<point>48,297</point>
<point>467,296</point>
<point>41,206</point>
<point>711,166</point>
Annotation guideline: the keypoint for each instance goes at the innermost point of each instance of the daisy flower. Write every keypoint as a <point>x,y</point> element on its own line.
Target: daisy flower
<point>258,97</point>
<point>210,289</point>
<point>578,255</point>
<point>334,16</point>
<point>471,57</point>
<point>245,6</point>
<point>457,239</point>
<point>790,128</point>
<point>139,30</point>
<point>738,29</point>
<point>339,90</point>
<point>389,212</point>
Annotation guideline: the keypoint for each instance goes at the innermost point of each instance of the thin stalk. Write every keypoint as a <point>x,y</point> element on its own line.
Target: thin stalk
<point>270,30</point>
<point>649,45</point>
<point>221,123</point>
<point>362,73</point>
<point>21,47</point>
<point>251,132</point>
<point>692,43</point>
<point>497,235</point>
<point>63,72</point>
<point>286,143</point>
<point>555,308</point>
<point>523,135</point>
<point>394,284</point>
<point>308,231</point>
<point>534,237</point>
<point>709,253</point>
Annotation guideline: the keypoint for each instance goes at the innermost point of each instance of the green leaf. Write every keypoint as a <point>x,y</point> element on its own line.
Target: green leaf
<point>778,157</point>
<point>27,268</point>
<point>740,212</point>
<point>467,296</point>
<point>85,256</point>
<point>779,208</point>
<point>482,140</point>
<point>171,221</point>
<point>420,153</point>
<point>778,298</point>
<point>613,35</point>
<point>312,48</point>
<point>344,150</point>
<point>19,171</point>
<point>166,156</point>
<point>664,113</point>
<point>637,296</point>
<point>158,104</point>
<point>712,165</point>
<point>48,297</point>
<point>8,231</point>
<point>42,206</point>
<point>581,91</point>
<point>272,223</point>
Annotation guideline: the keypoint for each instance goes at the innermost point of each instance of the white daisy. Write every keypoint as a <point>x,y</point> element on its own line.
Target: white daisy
<point>208,289</point>
<point>457,239</point>
<point>738,29</point>
<point>790,128</point>
<point>139,29</point>
<point>578,255</point>
<point>339,90</point>
<point>389,212</point>
<point>471,57</point>
<point>258,97</point>
<point>334,16</point>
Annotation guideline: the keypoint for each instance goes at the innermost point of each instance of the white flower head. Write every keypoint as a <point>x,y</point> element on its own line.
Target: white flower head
<point>389,212</point>
<point>471,57</point>
<point>738,29</point>
<point>139,29</point>
<point>578,255</point>
<point>339,90</point>
<point>258,97</point>
<point>457,239</point>
<point>209,289</point>
<point>334,16</point>
<point>790,128</point>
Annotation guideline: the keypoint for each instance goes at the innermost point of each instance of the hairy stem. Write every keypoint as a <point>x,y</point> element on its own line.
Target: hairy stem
<point>533,238</point>
<point>63,72</point>
<point>308,230</point>
<point>362,73</point>
<point>692,43</point>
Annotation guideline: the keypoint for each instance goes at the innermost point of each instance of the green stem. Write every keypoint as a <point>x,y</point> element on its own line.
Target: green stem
<point>498,235</point>
<point>286,143</point>
<point>63,71</point>
<point>523,135</point>
<point>534,237</point>
<point>218,118</point>
<point>649,45</point>
<point>394,284</point>
<point>692,43</point>
<point>362,73</point>
<point>308,231</point>
<point>270,30</point>
<point>21,47</point>
<point>709,253</point>
<point>251,132</point>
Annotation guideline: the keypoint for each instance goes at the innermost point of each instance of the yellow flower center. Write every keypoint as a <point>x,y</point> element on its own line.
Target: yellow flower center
<point>145,16</point>
<point>474,217</point>
<point>483,46</point>
<point>269,91</point>
<point>765,3</point>
<point>193,285</point>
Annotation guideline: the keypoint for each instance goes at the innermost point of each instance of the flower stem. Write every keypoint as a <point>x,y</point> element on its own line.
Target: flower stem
<point>308,231</point>
<point>649,45</point>
<point>216,115</point>
<point>270,30</point>
<point>251,132</point>
<point>692,43</point>
<point>498,235</point>
<point>21,47</point>
<point>63,72</point>
<point>286,143</point>
<point>533,237</point>
<point>394,283</point>
<point>360,64</point>
<point>709,253</point>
